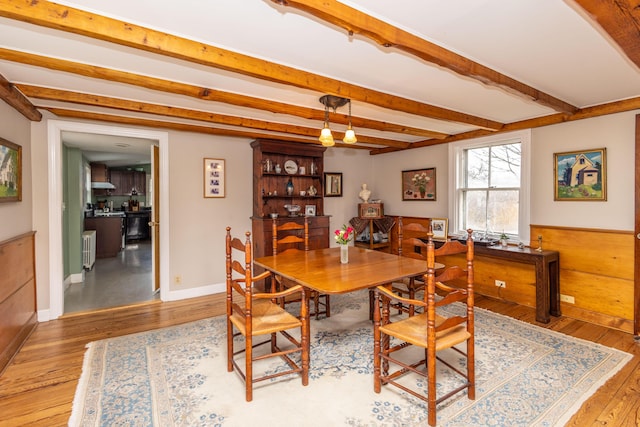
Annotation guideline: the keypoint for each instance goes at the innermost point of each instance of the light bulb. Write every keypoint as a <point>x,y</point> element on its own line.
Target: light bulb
<point>325,136</point>
<point>349,136</point>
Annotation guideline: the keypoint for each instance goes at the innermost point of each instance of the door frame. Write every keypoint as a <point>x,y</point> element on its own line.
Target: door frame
<point>636,234</point>
<point>54,163</point>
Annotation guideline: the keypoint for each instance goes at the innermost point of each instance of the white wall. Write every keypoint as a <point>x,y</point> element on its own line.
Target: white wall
<point>197,225</point>
<point>356,167</point>
<point>16,217</point>
<point>616,133</point>
<point>387,181</point>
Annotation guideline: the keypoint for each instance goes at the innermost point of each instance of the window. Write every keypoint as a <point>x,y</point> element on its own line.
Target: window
<point>490,186</point>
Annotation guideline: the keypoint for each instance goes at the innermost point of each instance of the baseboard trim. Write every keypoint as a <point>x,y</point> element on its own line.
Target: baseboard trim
<point>194,292</point>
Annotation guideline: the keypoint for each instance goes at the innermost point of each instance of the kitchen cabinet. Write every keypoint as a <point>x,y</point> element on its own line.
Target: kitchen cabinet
<point>276,164</point>
<point>99,172</point>
<point>109,232</point>
<point>126,180</point>
<point>140,181</point>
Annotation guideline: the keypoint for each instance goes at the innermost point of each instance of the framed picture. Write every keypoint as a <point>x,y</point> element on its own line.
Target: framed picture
<point>440,228</point>
<point>580,175</point>
<point>333,184</point>
<point>310,210</point>
<point>214,182</point>
<point>10,171</point>
<point>419,184</point>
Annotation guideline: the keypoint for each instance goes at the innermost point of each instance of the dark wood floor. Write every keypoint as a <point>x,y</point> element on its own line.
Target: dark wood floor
<point>38,387</point>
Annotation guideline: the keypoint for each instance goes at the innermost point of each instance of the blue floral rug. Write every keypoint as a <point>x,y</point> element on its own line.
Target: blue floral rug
<point>177,376</point>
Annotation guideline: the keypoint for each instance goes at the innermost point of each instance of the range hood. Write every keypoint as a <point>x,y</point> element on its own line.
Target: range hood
<point>103,185</point>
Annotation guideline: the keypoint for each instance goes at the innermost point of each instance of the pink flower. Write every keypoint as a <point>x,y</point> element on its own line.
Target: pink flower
<point>344,235</point>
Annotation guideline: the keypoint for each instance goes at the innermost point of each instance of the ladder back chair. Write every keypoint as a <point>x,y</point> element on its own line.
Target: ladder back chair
<point>430,331</point>
<point>412,244</point>
<point>253,314</point>
<point>286,237</point>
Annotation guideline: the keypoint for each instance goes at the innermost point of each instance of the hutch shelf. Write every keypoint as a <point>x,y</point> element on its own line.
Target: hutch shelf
<point>278,165</point>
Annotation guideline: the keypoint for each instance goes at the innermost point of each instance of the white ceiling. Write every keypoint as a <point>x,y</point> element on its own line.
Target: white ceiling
<point>548,44</point>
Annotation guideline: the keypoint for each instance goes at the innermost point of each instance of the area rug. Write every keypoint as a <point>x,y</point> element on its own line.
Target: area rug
<point>177,376</point>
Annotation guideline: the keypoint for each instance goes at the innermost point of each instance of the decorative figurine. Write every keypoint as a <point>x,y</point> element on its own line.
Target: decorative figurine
<point>364,194</point>
<point>289,188</point>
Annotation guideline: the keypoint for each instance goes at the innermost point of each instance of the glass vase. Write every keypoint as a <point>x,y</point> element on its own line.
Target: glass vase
<point>344,254</point>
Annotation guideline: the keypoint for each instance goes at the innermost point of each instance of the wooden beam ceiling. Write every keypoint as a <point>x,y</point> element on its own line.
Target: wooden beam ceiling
<point>184,113</point>
<point>552,119</point>
<point>621,20</point>
<point>64,18</point>
<point>387,35</point>
<point>184,127</point>
<point>206,94</point>
<point>18,101</point>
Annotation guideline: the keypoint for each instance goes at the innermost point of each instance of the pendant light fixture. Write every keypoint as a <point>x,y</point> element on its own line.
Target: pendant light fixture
<point>333,102</point>
<point>325,135</point>
<point>349,135</point>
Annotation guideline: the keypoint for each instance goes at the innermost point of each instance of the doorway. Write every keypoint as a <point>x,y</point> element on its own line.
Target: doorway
<point>55,130</point>
<point>120,272</point>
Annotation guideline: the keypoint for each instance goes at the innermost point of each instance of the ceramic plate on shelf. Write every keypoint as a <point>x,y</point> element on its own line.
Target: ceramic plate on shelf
<point>290,167</point>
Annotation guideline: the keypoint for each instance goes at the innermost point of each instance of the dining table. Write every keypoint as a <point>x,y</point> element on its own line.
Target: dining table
<point>322,271</point>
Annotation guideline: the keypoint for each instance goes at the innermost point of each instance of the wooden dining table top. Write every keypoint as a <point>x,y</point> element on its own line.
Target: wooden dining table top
<point>321,270</point>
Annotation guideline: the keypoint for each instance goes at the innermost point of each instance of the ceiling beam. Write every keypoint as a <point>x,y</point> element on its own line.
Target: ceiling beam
<point>621,20</point>
<point>18,101</point>
<point>387,35</point>
<point>552,119</point>
<point>184,113</point>
<point>76,21</point>
<point>184,127</point>
<point>206,94</point>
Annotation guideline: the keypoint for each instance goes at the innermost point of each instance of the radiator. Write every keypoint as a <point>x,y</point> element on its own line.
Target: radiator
<point>88,249</point>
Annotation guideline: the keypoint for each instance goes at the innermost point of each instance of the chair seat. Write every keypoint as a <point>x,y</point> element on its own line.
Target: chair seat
<point>414,331</point>
<point>267,317</point>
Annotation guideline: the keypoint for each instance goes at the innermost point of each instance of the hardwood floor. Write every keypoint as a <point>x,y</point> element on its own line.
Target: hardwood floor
<point>38,387</point>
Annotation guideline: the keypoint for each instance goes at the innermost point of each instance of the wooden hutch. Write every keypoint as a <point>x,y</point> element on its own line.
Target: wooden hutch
<point>275,164</point>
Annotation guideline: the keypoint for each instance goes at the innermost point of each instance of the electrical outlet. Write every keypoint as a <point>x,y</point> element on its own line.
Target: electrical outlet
<point>501,283</point>
<point>567,298</point>
<point>178,279</point>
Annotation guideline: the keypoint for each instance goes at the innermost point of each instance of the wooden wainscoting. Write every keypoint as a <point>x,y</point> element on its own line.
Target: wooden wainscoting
<point>17,294</point>
<point>596,269</point>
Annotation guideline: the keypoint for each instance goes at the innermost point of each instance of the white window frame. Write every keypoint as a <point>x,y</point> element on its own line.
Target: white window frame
<point>456,178</point>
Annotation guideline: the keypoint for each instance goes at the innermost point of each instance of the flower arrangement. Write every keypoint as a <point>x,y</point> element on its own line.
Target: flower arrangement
<point>344,235</point>
<point>420,180</point>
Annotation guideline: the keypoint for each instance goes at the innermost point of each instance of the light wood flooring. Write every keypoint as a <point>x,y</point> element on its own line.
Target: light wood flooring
<point>38,387</point>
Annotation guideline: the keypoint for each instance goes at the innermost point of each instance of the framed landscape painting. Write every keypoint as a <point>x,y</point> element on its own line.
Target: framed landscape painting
<point>580,175</point>
<point>10,171</point>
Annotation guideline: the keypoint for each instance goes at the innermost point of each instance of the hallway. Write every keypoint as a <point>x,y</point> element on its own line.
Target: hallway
<point>121,280</point>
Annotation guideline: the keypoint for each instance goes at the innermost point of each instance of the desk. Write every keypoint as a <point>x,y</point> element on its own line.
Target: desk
<point>321,270</point>
<point>547,265</point>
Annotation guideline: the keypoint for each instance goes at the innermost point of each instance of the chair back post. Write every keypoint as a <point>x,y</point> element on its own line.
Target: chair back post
<point>400,235</point>
<point>431,291</point>
<point>228,273</point>
<point>470,292</point>
<point>248,283</point>
<point>306,233</point>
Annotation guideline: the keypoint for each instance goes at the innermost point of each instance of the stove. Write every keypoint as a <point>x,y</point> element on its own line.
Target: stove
<point>98,213</point>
